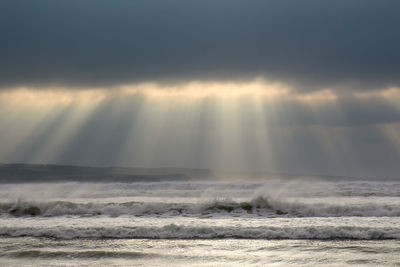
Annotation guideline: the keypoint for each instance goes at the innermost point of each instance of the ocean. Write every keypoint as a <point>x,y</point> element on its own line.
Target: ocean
<point>299,222</point>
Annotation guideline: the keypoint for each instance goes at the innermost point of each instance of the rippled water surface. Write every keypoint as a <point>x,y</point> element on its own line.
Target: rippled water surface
<point>28,251</point>
<point>200,223</point>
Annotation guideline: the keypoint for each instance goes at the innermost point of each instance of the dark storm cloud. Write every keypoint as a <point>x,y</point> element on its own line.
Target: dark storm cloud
<point>312,44</point>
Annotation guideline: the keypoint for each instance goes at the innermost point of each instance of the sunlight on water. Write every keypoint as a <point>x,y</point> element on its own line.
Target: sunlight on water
<point>141,252</point>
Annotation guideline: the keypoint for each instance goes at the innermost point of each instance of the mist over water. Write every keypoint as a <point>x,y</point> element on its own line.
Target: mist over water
<point>179,221</point>
<point>168,199</point>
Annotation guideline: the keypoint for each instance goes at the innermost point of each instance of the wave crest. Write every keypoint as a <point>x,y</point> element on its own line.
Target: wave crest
<point>260,206</point>
<point>173,231</point>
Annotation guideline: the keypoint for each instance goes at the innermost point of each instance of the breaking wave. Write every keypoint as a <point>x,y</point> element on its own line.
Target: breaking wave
<point>173,231</point>
<point>257,206</point>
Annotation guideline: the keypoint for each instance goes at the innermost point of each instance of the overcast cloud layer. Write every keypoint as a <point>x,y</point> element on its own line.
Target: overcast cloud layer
<point>319,91</point>
<point>312,44</point>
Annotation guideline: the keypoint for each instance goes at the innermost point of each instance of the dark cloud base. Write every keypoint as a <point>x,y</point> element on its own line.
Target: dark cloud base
<point>311,44</point>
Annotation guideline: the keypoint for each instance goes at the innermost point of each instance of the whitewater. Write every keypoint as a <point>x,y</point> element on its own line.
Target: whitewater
<point>307,222</point>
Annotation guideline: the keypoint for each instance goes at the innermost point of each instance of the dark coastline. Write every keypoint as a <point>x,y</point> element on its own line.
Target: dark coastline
<point>30,173</point>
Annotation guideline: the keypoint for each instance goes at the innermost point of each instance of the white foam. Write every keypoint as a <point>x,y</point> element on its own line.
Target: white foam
<point>259,206</point>
<point>174,231</point>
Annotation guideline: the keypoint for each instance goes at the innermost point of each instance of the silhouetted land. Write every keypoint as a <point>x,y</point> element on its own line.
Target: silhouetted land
<point>27,173</point>
<point>23,173</point>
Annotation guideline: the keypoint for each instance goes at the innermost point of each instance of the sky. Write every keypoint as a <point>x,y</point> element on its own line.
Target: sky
<point>302,87</point>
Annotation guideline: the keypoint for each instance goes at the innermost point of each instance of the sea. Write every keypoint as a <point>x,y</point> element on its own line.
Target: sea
<point>300,222</point>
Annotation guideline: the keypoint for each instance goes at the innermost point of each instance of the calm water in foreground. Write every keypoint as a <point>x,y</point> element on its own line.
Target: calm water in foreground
<point>221,252</point>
